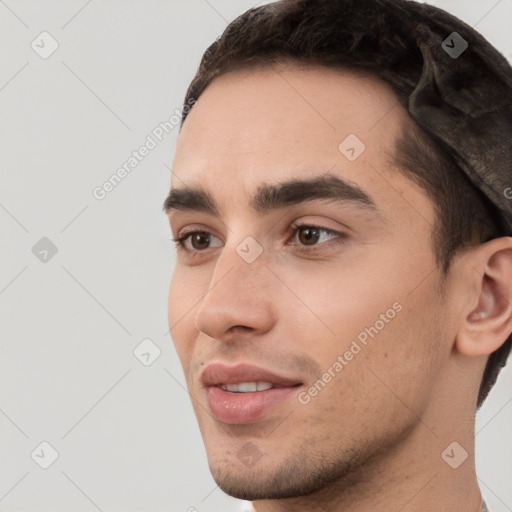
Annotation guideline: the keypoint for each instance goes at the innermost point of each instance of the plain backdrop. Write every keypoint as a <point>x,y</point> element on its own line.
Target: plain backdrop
<point>84,281</point>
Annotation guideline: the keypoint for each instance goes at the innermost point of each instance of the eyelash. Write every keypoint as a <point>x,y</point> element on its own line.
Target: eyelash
<point>180,241</point>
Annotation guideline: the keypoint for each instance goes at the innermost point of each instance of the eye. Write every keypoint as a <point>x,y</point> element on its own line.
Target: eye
<point>309,235</point>
<point>193,242</point>
<point>197,239</point>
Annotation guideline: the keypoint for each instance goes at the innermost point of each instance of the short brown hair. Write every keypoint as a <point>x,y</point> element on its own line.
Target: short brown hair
<point>369,36</point>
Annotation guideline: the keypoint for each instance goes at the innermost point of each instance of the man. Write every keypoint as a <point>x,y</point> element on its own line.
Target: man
<point>341,300</point>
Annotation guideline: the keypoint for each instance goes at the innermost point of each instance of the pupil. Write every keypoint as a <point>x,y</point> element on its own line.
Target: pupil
<point>198,237</point>
<point>310,237</point>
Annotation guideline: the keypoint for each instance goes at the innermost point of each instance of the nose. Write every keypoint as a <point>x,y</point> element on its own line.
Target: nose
<point>238,301</point>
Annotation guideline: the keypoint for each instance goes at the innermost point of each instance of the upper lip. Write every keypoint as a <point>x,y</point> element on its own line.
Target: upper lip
<point>216,374</point>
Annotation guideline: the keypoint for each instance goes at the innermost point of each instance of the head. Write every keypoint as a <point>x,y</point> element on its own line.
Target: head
<point>400,295</point>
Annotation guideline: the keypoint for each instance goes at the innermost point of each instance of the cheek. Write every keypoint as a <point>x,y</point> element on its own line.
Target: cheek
<point>388,334</point>
<point>175,300</point>
<point>334,306</point>
<point>180,310</point>
<point>375,388</point>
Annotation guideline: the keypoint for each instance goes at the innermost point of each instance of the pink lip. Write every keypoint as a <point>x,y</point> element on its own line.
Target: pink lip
<point>231,407</point>
<point>217,373</point>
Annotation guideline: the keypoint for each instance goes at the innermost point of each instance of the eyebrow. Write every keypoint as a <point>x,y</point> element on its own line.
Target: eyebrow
<point>274,196</point>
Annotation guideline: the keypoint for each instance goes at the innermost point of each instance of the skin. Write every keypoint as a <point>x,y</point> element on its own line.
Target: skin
<point>372,439</point>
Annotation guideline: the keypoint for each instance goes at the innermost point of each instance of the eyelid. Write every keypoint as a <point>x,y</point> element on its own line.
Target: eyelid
<point>339,239</point>
<point>185,236</point>
<point>294,227</point>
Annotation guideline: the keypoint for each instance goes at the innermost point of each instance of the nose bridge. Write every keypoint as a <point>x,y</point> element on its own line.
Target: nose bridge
<point>237,293</point>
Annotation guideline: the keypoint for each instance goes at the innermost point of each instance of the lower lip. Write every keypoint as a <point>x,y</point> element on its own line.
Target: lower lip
<point>230,407</point>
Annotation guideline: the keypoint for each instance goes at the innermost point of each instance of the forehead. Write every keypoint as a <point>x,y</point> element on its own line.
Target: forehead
<point>281,107</point>
<point>268,124</point>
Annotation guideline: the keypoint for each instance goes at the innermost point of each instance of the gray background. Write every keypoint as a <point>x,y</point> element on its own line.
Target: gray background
<point>125,433</point>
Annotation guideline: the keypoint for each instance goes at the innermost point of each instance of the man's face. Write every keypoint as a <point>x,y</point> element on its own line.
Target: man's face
<point>355,328</point>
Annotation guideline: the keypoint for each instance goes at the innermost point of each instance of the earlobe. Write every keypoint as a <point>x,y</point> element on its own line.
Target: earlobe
<point>487,326</point>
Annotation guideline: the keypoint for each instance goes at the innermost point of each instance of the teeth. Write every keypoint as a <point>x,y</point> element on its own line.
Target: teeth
<point>247,387</point>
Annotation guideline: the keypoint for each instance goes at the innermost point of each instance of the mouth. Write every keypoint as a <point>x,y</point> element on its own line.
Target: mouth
<point>250,387</point>
<point>245,393</point>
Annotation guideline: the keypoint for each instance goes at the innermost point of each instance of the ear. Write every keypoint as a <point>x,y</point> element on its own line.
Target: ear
<point>487,321</point>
